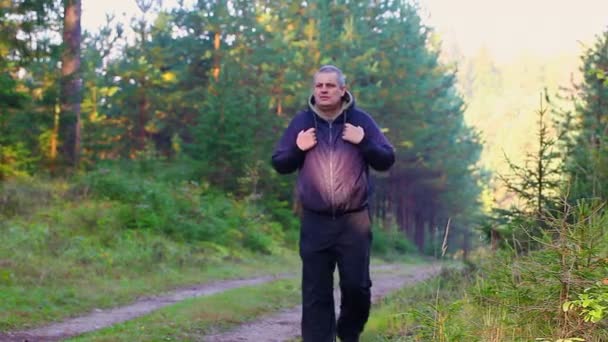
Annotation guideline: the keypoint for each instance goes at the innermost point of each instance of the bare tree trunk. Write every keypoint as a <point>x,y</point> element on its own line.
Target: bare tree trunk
<point>142,119</point>
<point>140,134</point>
<point>382,202</point>
<point>71,83</point>
<point>410,218</point>
<point>54,140</point>
<point>432,229</point>
<point>401,214</point>
<point>419,230</point>
<point>216,58</point>
<point>466,243</point>
<point>494,238</point>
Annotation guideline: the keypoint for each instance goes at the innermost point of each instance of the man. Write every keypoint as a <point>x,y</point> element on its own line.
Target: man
<point>332,144</point>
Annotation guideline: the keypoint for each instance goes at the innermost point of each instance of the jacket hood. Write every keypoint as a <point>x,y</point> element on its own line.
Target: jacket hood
<point>347,101</point>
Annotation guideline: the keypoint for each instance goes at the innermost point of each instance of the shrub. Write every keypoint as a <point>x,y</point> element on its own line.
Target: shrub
<point>389,240</point>
<point>24,196</point>
<point>532,288</point>
<point>15,160</point>
<point>188,211</point>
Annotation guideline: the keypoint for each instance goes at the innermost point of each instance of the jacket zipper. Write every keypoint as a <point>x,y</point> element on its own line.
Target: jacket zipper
<point>331,173</point>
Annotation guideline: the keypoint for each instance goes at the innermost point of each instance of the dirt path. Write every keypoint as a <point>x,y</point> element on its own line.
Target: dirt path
<point>279,327</point>
<point>104,318</point>
<point>285,325</point>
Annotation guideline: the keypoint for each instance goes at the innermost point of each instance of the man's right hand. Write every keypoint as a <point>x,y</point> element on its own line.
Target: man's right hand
<point>307,139</point>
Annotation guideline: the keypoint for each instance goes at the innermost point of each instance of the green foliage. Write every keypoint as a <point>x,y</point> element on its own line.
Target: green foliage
<point>24,196</point>
<point>592,303</point>
<point>530,287</point>
<point>70,247</point>
<point>586,144</point>
<point>536,184</point>
<point>429,311</point>
<point>553,293</point>
<point>10,97</point>
<point>571,339</point>
<point>389,240</point>
<point>15,161</point>
<point>554,251</point>
<point>500,95</point>
<point>185,210</point>
<point>218,82</point>
<point>439,321</point>
<point>28,82</point>
<point>574,246</point>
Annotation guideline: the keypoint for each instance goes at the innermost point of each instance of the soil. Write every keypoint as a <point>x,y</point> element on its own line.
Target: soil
<point>282,326</point>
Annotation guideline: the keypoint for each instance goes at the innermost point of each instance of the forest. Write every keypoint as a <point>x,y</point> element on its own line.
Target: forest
<point>136,159</point>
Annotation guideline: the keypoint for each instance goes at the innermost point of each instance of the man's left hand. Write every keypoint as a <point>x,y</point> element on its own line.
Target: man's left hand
<point>353,134</point>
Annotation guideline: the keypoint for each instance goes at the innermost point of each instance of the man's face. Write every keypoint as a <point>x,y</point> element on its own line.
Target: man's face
<point>327,91</point>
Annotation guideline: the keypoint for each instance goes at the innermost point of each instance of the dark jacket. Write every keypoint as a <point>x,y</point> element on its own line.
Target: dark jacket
<point>333,176</point>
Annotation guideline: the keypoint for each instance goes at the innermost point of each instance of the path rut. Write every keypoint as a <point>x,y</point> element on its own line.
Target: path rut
<point>281,326</point>
<point>285,325</point>
<point>104,318</point>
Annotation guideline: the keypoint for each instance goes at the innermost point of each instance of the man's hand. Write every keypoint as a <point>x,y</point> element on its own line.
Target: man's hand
<point>307,139</point>
<point>353,134</point>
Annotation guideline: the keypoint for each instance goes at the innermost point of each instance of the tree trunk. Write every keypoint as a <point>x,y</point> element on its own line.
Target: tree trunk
<point>466,244</point>
<point>143,103</point>
<point>419,230</point>
<point>494,239</point>
<point>216,58</point>
<point>410,218</point>
<point>142,118</point>
<point>432,227</point>
<point>54,140</point>
<point>401,214</point>
<point>71,83</point>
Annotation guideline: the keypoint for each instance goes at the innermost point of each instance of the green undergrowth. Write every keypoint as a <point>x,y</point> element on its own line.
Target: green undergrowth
<point>103,238</point>
<point>40,288</point>
<point>551,287</point>
<point>106,238</point>
<point>498,298</point>
<point>410,313</point>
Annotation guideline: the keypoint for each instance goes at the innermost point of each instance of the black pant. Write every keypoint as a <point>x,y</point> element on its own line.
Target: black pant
<point>324,242</point>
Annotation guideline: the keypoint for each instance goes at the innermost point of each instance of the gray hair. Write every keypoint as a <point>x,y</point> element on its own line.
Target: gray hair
<point>328,68</point>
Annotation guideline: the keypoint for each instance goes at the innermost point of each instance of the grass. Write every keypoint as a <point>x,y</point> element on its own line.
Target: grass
<point>70,247</point>
<point>100,242</point>
<point>28,305</point>
<point>191,319</point>
<point>49,273</point>
<point>66,261</point>
<point>55,265</point>
<point>412,313</point>
<point>494,303</point>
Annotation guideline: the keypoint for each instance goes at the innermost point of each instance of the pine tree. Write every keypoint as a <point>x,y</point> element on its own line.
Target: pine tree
<point>537,184</point>
<point>587,148</point>
<point>71,83</point>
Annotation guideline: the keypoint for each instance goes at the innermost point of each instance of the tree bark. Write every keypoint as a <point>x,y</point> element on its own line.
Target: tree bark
<point>216,58</point>
<point>419,230</point>
<point>71,83</point>
<point>142,118</point>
